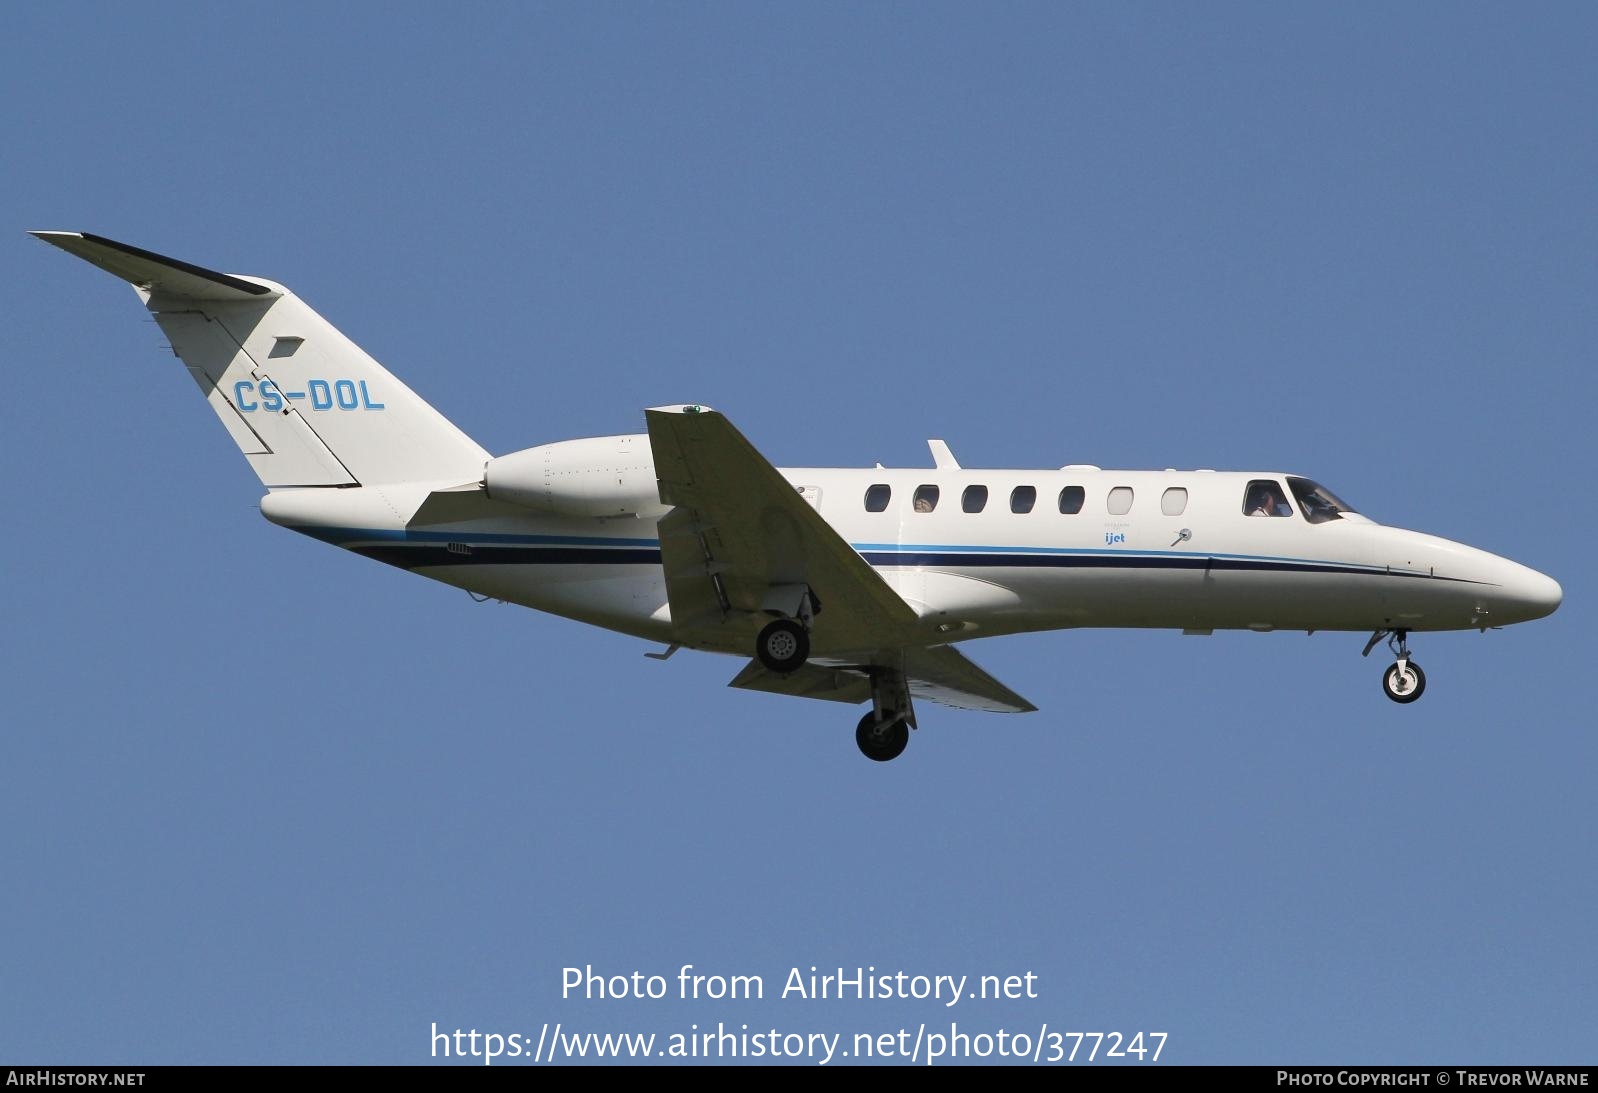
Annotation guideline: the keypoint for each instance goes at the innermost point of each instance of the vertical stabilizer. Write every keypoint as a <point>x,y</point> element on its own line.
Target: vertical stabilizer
<point>305,405</point>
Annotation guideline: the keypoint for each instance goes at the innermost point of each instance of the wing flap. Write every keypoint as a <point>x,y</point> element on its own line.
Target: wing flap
<point>810,681</point>
<point>936,673</point>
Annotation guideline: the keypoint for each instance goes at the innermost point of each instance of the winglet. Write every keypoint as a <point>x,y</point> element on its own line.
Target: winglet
<point>942,457</point>
<point>151,272</point>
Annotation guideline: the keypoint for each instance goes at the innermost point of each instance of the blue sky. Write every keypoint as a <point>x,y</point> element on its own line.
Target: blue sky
<point>268,802</point>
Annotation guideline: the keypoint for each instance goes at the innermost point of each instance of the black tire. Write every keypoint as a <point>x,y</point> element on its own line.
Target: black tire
<point>881,744</point>
<point>1404,688</point>
<point>783,646</point>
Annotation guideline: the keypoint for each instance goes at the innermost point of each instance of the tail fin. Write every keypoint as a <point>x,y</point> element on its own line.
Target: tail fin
<point>305,405</point>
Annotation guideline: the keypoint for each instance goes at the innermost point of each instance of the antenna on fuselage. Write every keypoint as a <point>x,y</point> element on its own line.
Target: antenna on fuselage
<point>942,457</point>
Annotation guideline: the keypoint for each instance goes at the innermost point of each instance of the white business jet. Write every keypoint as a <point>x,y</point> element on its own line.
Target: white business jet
<point>841,584</point>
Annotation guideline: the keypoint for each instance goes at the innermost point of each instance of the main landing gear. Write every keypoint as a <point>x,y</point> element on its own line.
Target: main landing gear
<point>884,732</point>
<point>1403,681</point>
<point>880,740</point>
<point>784,643</point>
<point>783,646</point>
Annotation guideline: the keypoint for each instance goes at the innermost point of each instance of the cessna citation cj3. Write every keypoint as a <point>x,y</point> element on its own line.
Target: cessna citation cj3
<point>849,585</point>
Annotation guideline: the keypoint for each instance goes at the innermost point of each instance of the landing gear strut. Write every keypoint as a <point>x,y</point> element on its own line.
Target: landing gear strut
<point>884,732</point>
<point>1404,681</point>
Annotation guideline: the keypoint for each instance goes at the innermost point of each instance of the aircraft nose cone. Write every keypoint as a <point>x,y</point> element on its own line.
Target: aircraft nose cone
<point>1544,594</point>
<point>1532,595</point>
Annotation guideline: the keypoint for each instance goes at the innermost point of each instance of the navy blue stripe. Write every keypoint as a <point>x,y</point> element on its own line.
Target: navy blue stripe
<point>412,556</point>
<point>345,537</point>
<point>412,549</point>
<point>415,555</point>
<point>1134,561</point>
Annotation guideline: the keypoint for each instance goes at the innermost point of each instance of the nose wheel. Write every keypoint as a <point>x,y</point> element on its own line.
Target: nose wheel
<point>1404,681</point>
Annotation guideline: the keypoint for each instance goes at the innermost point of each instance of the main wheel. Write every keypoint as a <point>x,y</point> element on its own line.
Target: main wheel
<point>1406,685</point>
<point>881,743</point>
<point>783,646</point>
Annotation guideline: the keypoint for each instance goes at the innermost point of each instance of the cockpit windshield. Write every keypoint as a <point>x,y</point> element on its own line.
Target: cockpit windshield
<point>1316,502</point>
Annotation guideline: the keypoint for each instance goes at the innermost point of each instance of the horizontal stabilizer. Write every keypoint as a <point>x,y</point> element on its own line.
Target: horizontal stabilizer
<point>156,272</point>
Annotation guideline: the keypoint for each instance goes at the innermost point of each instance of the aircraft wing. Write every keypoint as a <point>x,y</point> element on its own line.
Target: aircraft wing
<point>739,530</point>
<point>937,673</point>
<point>810,681</point>
<point>943,674</point>
<point>740,534</point>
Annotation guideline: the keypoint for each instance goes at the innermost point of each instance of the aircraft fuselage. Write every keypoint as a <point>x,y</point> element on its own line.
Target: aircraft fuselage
<point>1184,554</point>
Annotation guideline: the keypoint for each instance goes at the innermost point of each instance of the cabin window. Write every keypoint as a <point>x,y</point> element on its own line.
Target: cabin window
<point>1120,502</point>
<point>974,499</point>
<point>1173,502</point>
<point>877,497</point>
<point>926,498</point>
<point>1022,498</point>
<point>1265,498</point>
<point>1071,500</point>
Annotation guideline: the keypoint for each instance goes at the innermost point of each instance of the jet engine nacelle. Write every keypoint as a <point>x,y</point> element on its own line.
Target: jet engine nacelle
<point>600,476</point>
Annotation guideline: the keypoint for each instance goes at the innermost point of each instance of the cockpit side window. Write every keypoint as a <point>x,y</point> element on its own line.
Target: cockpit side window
<point>1316,502</point>
<point>1264,498</point>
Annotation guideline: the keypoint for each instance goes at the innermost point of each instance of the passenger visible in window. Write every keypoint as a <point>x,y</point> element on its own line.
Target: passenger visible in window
<point>1264,499</point>
<point>923,505</point>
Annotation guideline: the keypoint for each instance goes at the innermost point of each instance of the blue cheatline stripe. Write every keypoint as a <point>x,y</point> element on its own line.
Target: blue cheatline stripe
<point>1117,560</point>
<point>348,536</point>
<point>418,555</point>
<point>417,549</point>
<point>939,549</point>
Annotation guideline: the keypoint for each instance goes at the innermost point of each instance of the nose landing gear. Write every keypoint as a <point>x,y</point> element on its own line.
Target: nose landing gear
<point>1403,681</point>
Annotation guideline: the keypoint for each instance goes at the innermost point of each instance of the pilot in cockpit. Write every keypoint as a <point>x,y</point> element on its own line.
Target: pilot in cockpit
<point>1264,499</point>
